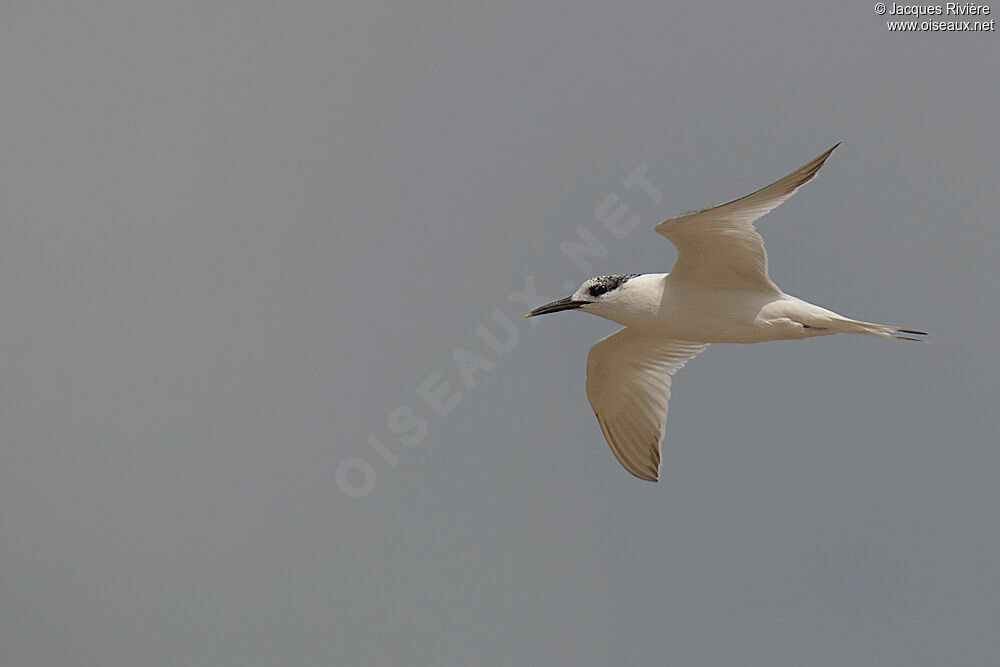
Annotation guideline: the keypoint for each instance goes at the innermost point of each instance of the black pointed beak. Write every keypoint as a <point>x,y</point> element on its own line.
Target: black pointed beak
<point>562,304</point>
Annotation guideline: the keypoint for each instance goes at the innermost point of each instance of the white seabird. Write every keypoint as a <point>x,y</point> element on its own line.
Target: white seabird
<point>718,291</point>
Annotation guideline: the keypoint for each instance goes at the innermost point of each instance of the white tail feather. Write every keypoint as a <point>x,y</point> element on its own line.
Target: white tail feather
<point>871,329</point>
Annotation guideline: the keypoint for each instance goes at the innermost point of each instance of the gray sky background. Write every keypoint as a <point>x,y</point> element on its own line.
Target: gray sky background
<point>234,238</point>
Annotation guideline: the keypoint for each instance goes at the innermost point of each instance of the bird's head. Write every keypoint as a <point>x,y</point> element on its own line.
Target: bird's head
<point>611,297</point>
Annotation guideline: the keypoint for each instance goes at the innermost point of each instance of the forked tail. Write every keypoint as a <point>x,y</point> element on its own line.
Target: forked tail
<point>869,329</point>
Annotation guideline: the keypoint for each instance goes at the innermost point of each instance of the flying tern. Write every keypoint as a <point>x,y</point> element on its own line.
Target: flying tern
<point>718,291</point>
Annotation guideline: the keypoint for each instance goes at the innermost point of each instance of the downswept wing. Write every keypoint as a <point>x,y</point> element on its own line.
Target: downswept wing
<point>719,247</point>
<point>628,385</point>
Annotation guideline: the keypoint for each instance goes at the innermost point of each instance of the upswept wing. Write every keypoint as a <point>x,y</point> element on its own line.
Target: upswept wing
<point>628,385</point>
<point>719,247</point>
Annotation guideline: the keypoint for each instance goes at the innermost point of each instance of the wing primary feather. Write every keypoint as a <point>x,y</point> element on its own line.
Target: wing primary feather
<point>719,247</point>
<point>628,385</point>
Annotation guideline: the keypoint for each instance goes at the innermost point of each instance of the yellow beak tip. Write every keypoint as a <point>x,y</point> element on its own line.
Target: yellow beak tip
<point>525,316</point>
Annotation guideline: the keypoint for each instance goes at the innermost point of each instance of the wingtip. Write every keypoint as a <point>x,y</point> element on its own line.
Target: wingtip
<point>821,158</point>
<point>829,151</point>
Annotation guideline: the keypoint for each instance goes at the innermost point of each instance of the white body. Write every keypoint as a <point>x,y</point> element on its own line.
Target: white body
<point>674,309</point>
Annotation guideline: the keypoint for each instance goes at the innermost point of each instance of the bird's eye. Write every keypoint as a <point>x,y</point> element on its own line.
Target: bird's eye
<point>597,290</point>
